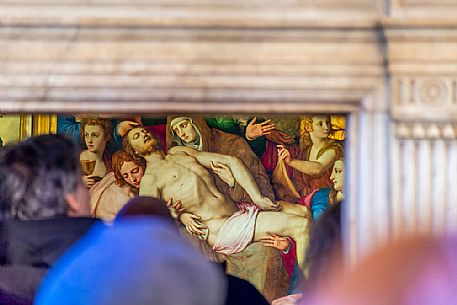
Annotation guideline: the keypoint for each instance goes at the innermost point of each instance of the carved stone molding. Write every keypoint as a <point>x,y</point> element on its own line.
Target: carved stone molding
<point>423,8</point>
<point>424,3</point>
<point>202,13</point>
<point>141,55</point>
<point>269,56</point>
<point>422,131</point>
<point>434,92</point>
<point>424,98</point>
<point>422,64</point>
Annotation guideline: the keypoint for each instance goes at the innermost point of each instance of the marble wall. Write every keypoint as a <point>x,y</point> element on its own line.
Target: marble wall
<point>391,66</point>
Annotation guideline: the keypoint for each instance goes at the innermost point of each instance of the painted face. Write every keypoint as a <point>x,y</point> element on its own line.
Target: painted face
<point>132,173</point>
<point>337,176</point>
<point>185,131</point>
<point>95,138</point>
<point>321,127</point>
<point>142,141</point>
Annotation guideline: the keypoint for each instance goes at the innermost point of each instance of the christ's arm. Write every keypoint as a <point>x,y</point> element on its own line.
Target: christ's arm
<point>240,172</point>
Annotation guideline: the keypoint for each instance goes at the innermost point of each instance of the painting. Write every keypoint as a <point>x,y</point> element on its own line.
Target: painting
<point>14,128</point>
<point>244,189</point>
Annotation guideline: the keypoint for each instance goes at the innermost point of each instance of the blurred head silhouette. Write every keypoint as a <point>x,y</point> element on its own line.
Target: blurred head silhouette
<point>145,206</point>
<point>41,178</point>
<point>410,271</point>
<point>138,261</point>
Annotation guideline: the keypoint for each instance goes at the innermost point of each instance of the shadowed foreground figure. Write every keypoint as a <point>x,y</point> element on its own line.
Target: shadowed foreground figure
<point>42,199</point>
<point>239,291</point>
<point>145,205</point>
<point>138,261</point>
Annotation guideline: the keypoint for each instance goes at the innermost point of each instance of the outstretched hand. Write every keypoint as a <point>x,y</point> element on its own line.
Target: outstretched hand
<point>253,130</point>
<point>275,241</point>
<point>223,172</point>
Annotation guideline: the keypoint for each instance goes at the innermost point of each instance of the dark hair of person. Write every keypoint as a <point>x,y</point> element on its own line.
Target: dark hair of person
<point>35,176</point>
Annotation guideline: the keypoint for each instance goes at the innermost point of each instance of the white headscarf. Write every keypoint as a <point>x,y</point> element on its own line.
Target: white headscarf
<point>196,144</point>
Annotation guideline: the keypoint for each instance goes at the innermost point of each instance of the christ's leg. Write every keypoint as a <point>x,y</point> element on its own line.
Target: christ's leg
<point>285,224</point>
<point>294,208</point>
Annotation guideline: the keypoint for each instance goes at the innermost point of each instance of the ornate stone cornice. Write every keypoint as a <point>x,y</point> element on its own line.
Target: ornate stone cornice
<point>421,55</point>
<point>195,53</point>
<point>440,9</point>
<point>424,98</point>
<point>425,130</point>
<point>191,13</point>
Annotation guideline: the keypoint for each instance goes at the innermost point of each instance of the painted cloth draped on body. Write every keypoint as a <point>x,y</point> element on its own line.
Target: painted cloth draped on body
<point>238,231</point>
<point>292,185</point>
<point>107,198</point>
<point>317,201</point>
<point>306,184</point>
<point>228,124</point>
<point>291,127</point>
<point>238,126</point>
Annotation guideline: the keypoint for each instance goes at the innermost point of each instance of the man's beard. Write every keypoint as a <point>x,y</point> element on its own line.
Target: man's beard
<point>151,148</point>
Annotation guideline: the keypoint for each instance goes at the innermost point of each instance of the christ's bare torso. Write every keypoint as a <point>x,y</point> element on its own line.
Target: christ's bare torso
<point>181,177</point>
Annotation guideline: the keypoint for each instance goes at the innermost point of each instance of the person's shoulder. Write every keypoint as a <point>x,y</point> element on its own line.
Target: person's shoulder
<point>217,133</point>
<point>174,150</point>
<point>182,150</point>
<point>83,155</point>
<point>322,192</point>
<point>333,144</point>
<point>229,142</point>
<point>51,221</point>
<point>148,177</point>
<point>78,223</point>
<point>331,147</point>
<point>52,236</point>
